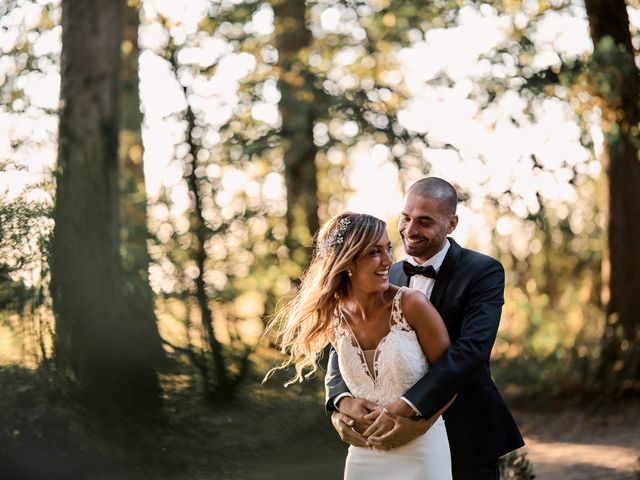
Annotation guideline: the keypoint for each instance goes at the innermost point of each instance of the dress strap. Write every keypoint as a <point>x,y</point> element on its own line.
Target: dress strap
<point>397,319</point>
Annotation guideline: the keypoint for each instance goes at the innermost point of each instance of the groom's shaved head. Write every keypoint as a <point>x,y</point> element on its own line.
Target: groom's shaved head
<point>437,189</point>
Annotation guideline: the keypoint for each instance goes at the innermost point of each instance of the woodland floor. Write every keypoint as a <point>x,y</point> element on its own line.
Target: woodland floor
<point>583,441</point>
<point>268,433</point>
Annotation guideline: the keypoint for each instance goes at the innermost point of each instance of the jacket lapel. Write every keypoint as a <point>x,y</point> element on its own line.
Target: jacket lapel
<point>445,273</point>
<point>397,276</point>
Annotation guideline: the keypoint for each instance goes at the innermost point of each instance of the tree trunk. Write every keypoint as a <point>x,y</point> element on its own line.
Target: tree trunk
<point>221,390</point>
<point>298,115</point>
<point>96,347</point>
<point>220,382</point>
<point>133,202</point>
<point>616,78</point>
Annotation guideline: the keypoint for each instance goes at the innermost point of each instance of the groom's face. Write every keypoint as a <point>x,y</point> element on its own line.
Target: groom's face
<point>424,226</point>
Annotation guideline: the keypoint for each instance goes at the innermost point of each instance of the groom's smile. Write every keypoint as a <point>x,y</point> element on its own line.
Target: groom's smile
<point>414,241</point>
<point>424,226</point>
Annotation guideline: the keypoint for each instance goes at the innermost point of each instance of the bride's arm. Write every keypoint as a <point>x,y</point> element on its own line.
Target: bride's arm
<point>400,422</point>
<point>423,317</point>
<point>433,337</point>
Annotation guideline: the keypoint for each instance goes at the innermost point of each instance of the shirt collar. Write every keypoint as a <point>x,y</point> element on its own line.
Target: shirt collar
<point>436,260</point>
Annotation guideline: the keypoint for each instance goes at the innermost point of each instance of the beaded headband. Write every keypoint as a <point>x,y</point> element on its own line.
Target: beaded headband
<point>334,238</point>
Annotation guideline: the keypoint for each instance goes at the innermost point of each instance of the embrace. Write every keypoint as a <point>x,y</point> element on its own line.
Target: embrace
<point>408,382</point>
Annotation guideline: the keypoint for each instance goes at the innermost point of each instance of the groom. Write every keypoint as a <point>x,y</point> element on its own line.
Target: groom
<point>467,289</point>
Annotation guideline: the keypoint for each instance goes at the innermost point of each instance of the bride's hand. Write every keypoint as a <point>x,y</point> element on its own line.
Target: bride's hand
<point>396,426</point>
<point>391,431</point>
<point>379,424</point>
<point>358,410</point>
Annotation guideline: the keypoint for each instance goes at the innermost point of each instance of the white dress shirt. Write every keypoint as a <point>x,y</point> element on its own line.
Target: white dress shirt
<point>422,283</point>
<point>425,285</point>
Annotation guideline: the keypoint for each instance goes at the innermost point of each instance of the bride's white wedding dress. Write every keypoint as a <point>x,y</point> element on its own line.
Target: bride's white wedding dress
<point>382,376</point>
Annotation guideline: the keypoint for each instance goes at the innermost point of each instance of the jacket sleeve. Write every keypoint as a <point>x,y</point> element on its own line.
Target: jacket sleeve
<point>333,383</point>
<point>466,356</point>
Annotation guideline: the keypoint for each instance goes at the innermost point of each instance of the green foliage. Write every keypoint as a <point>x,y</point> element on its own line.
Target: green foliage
<point>24,55</point>
<point>25,217</point>
<point>553,318</point>
<point>516,466</point>
<point>25,239</point>
<point>349,80</point>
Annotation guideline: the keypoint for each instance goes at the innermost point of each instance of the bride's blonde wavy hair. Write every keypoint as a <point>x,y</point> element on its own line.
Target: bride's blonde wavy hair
<point>304,324</point>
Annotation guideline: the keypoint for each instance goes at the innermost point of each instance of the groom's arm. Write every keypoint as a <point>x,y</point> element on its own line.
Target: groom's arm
<point>335,387</point>
<point>467,354</point>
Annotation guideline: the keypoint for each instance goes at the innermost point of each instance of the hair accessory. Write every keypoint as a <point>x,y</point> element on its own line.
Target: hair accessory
<point>334,238</point>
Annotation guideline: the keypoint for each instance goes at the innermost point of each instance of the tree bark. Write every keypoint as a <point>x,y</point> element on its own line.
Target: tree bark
<point>616,77</point>
<point>97,350</point>
<point>298,115</point>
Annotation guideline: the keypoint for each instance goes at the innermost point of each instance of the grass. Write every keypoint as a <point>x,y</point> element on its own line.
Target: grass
<point>268,433</point>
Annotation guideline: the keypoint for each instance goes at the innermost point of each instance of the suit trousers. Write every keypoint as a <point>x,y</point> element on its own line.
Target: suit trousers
<point>486,471</point>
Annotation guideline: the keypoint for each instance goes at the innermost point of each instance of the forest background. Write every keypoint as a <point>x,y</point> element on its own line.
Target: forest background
<point>165,165</point>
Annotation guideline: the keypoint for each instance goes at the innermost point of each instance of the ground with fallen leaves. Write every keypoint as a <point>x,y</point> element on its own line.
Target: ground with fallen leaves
<point>269,433</point>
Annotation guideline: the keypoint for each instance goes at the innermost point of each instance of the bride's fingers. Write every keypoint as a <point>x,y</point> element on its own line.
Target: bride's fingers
<point>384,441</point>
<point>379,440</point>
<point>372,429</point>
<point>372,416</point>
<point>392,416</point>
<point>381,430</point>
<point>382,424</point>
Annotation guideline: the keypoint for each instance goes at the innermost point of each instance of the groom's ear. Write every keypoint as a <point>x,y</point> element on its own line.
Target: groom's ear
<point>453,223</point>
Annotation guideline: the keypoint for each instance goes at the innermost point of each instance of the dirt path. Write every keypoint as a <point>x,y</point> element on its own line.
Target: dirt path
<point>566,443</point>
<point>572,443</point>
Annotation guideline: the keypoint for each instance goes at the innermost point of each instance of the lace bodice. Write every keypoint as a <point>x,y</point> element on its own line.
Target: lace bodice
<point>398,363</point>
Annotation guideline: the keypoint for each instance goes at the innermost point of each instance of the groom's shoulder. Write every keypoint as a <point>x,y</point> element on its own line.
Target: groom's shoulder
<point>397,265</point>
<point>473,257</point>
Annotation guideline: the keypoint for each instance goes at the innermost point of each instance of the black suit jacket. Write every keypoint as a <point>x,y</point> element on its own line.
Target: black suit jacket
<point>469,294</point>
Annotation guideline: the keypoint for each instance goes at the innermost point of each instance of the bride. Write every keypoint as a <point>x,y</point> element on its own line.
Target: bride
<point>385,336</point>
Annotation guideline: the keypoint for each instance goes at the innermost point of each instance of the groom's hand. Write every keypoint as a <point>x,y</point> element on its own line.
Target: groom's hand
<point>349,421</point>
<point>403,430</point>
<point>401,408</point>
<point>381,424</point>
<point>357,409</point>
<point>345,427</point>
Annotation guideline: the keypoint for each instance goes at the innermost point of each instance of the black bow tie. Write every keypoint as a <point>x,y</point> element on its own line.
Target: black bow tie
<point>410,270</point>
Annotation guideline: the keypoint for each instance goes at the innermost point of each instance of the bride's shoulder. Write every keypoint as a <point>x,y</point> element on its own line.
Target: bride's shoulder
<point>415,306</point>
<point>413,298</point>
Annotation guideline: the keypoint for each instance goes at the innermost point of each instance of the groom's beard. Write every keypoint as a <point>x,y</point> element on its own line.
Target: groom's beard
<point>423,250</point>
